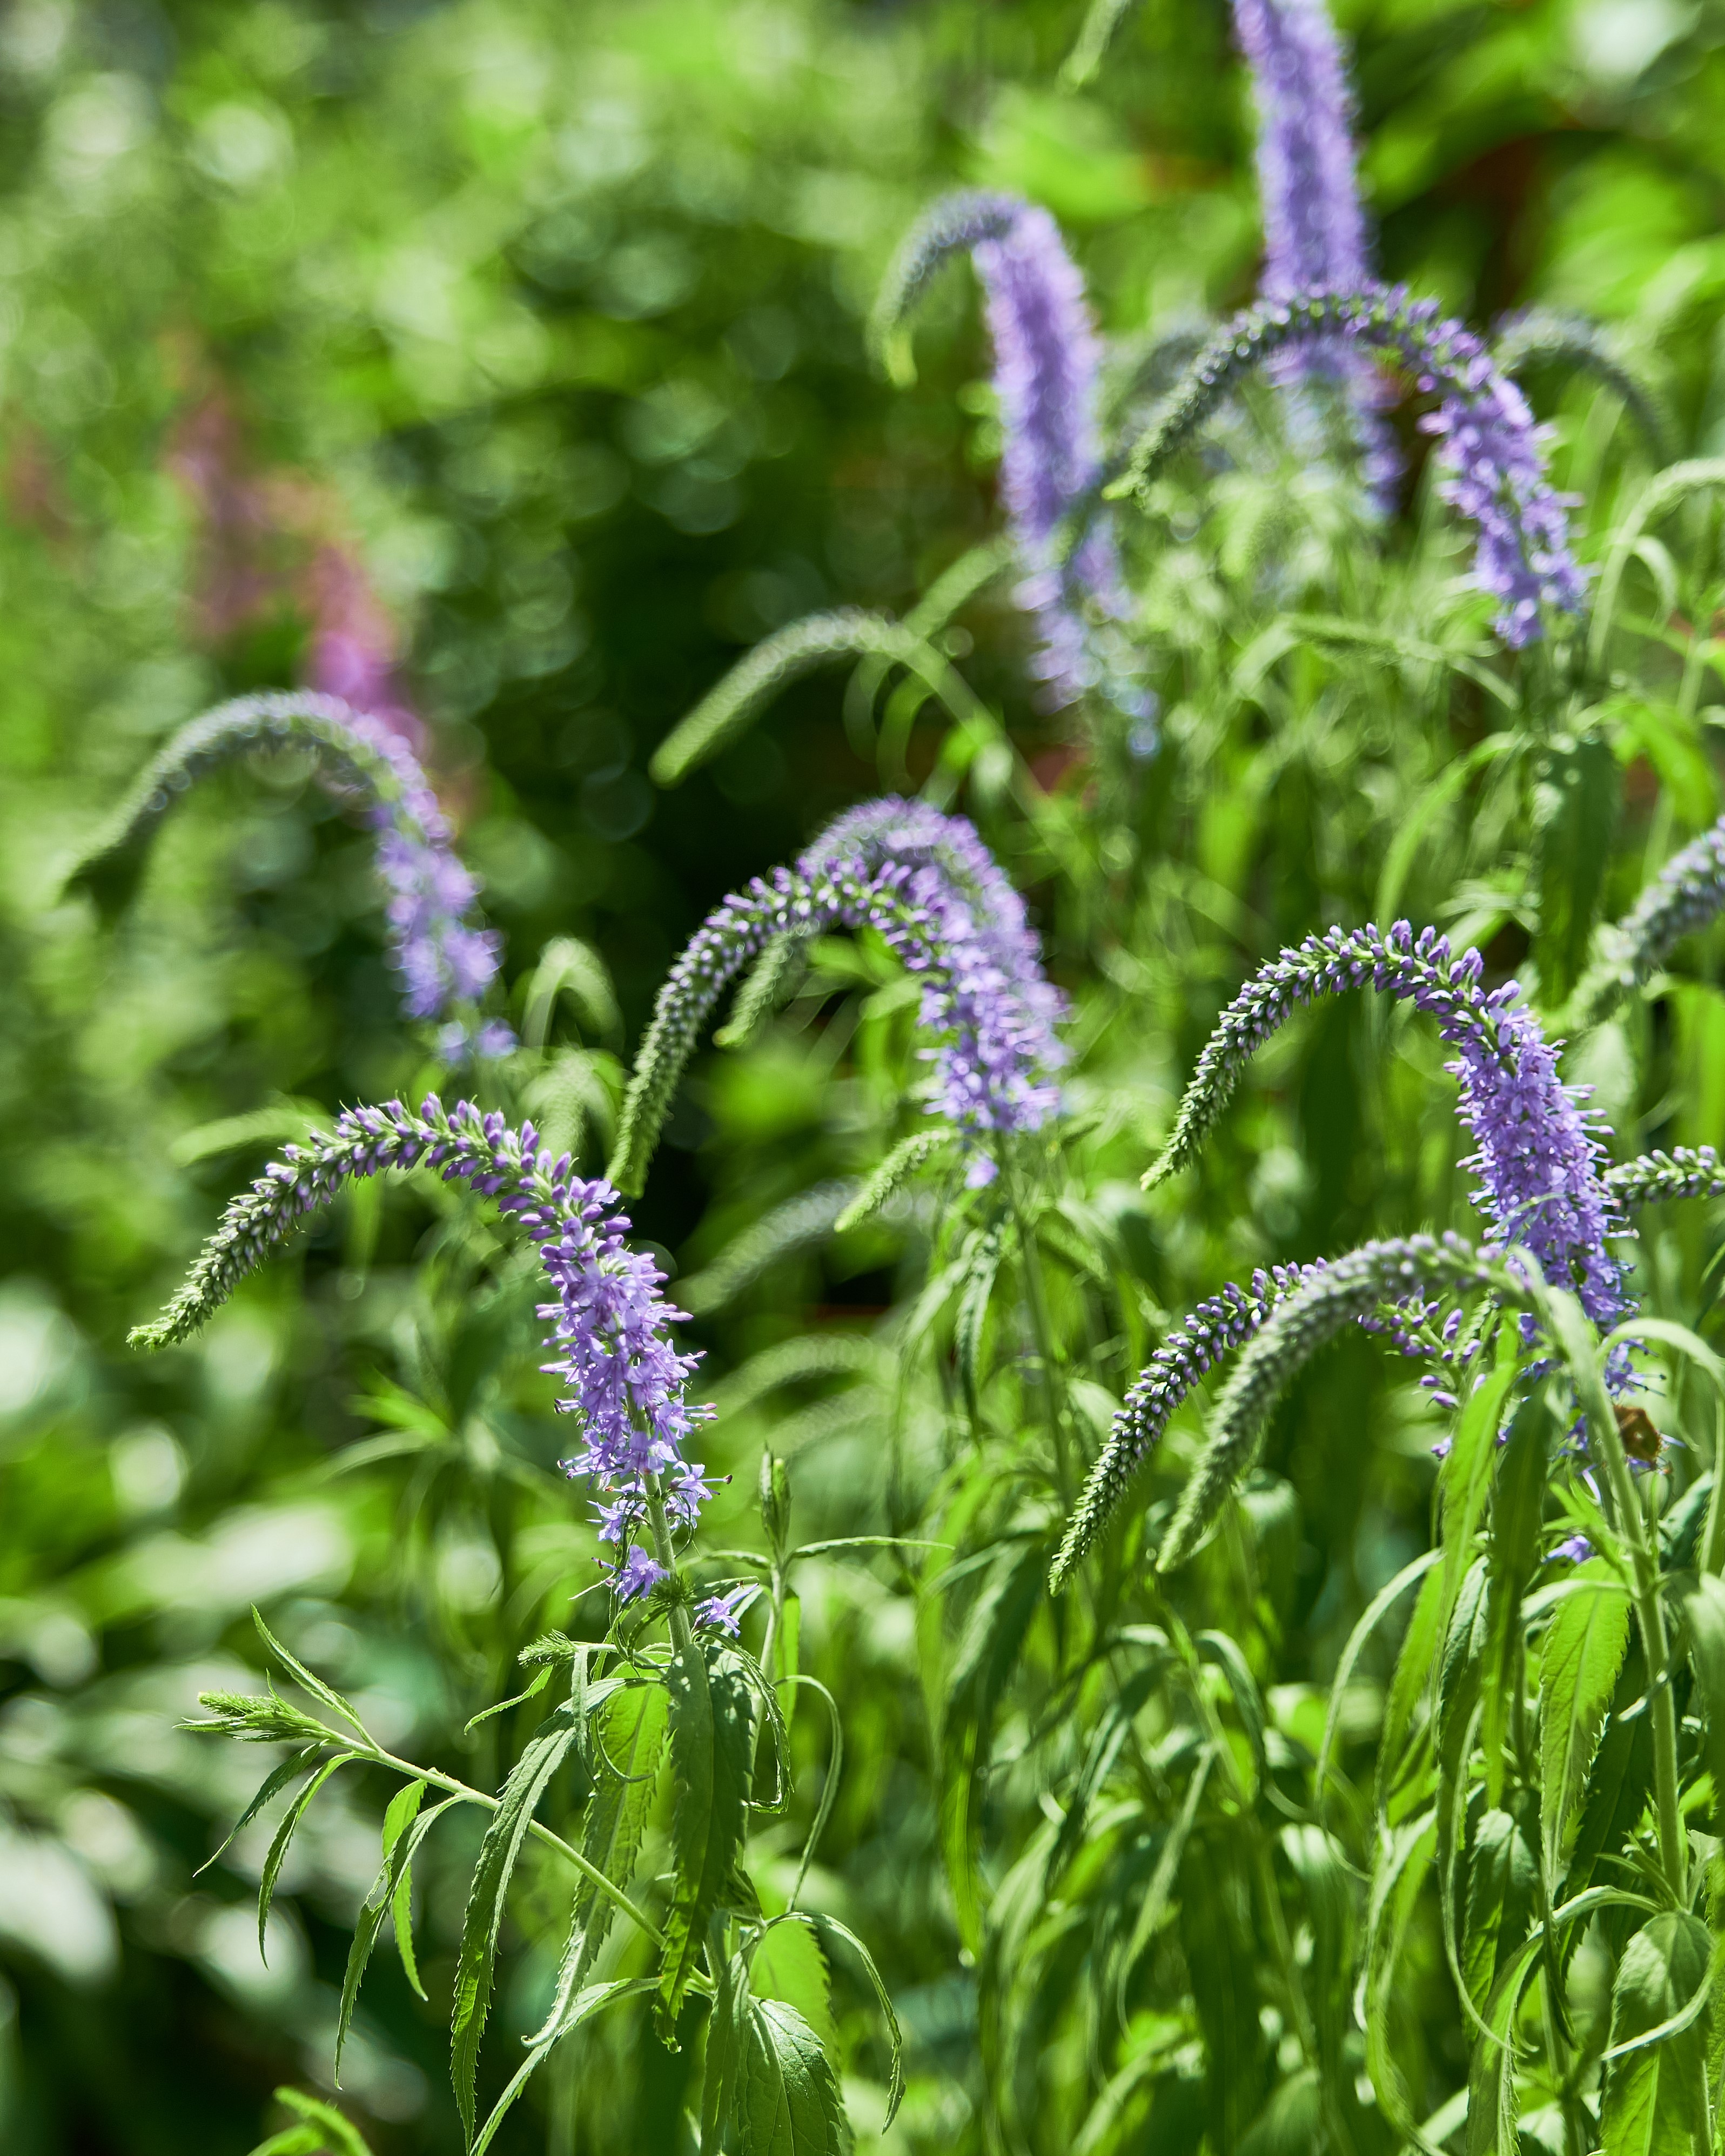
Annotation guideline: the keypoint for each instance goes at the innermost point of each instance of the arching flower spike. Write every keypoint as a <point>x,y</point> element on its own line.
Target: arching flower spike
<point>1314,228</point>
<point>609,1336</point>
<point>1047,368</point>
<point>445,961</point>
<point>1539,1158</point>
<point>1489,447</point>
<point>927,884</point>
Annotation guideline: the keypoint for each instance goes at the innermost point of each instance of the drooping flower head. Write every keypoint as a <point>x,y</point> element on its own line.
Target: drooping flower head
<point>1047,369</point>
<point>928,886</point>
<point>1540,1161</point>
<point>1314,228</point>
<point>610,1325</point>
<point>445,960</point>
<point>1488,447</point>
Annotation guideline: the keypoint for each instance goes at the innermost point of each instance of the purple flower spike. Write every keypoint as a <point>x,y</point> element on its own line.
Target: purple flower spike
<point>1047,366</point>
<point>1540,1160</point>
<point>444,958</point>
<point>609,1334</point>
<point>927,884</point>
<point>1314,228</point>
<point>1489,456</point>
<point>638,1574</point>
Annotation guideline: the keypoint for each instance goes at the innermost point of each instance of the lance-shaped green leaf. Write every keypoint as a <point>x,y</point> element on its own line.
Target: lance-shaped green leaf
<point>724,2043</point>
<point>322,2131</point>
<point>1579,1666</point>
<point>1622,1776</point>
<point>1575,808</point>
<point>1403,1858</point>
<point>1112,1734</point>
<point>712,1720</point>
<point>787,2098</point>
<point>581,2007</point>
<point>545,1752</point>
<point>1503,1889</point>
<point>628,1736</point>
<point>1655,2085</point>
<point>291,1819</point>
<point>1381,1604</point>
<point>1460,1671</point>
<point>399,1816</point>
<point>401,1893</point>
<point>994,1630</point>
<point>314,1684</point>
<point>1219,1934</point>
<point>1523,1470</point>
<point>1704,1615</point>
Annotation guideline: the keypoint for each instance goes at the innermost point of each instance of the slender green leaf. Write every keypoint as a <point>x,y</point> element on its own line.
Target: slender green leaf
<point>1576,800</point>
<point>1520,1494</point>
<point>401,1894</point>
<point>581,2007</point>
<point>1224,1653</point>
<point>291,1819</point>
<point>1381,1604</point>
<point>789,1964</point>
<point>994,1633</point>
<point>315,1685</point>
<point>829,1926</point>
<point>1656,2091</point>
<point>527,1783</point>
<point>399,1816</point>
<point>630,1741</point>
<point>1409,1684</point>
<point>1404,1859</point>
<point>1704,1615</point>
<point>1583,1652</point>
<point>724,2043</point>
<point>712,1708</point>
<point>272,1785</point>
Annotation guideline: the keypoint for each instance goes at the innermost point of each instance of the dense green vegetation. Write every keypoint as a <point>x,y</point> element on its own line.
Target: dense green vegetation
<point>533,339</point>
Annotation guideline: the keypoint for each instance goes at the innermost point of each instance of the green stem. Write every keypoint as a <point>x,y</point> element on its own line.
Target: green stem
<point>1713,1541</point>
<point>1041,1329</point>
<point>589,1872</point>
<point>1305,2034</point>
<point>682,1631</point>
<point>1606,1443</point>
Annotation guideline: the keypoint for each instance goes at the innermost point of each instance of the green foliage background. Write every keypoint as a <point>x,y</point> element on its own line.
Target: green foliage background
<point>558,313</point>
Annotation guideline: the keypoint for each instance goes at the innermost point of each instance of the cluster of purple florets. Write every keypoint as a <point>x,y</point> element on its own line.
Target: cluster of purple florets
<point>443,959</point>
<point>610,1324</point>
<point>1047,375</point>
<point>1540,1160</point>
<point>1047,364</point>
<point>1492,470</point>
<point>610,1331</point>
<point>1314,227</point>
<point>927,886</point>
<point>940,901</point>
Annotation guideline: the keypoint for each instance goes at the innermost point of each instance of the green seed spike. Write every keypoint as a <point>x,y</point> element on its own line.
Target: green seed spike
<point>1331,1295</point>
<point>732,707</point>
<point>899,1165</point>
<point>318,724</point>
